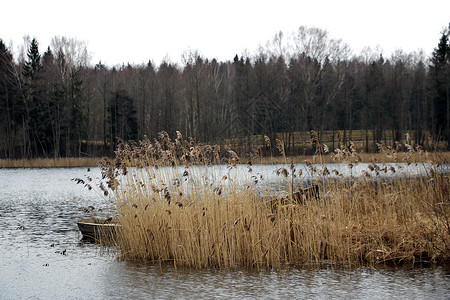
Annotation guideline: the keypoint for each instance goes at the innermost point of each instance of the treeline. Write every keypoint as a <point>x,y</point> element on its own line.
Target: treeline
<point>58,105</point>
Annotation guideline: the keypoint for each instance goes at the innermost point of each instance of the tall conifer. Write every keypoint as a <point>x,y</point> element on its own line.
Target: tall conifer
<point>440,86</point>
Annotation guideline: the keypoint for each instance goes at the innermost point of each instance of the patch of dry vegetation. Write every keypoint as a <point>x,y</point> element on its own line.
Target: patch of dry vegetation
<point>174,209</point>
<point>49,162</point>
<point>363,158</point>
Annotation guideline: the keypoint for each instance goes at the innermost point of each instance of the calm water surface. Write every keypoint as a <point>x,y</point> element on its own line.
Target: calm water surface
<point>41,257</point>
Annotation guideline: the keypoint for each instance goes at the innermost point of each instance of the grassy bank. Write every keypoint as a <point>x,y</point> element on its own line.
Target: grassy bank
<point>93,162</point>
<point>172,212</point>
<point>299,141</point>
<point>361,158</point>
<point>49,162</point>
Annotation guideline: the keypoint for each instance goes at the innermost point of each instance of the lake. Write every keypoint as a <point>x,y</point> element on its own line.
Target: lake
<point>41,256</point>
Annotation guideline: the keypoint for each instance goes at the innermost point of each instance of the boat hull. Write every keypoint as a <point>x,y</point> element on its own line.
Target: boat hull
<point>98,229</point>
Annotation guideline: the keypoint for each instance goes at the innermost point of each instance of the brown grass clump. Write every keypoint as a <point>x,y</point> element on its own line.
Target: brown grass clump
<point>173,208</point>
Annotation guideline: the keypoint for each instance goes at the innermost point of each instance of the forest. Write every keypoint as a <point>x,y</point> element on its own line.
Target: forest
<point>56,104</point>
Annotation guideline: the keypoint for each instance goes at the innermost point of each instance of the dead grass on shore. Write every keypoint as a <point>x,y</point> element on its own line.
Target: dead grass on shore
<point>415,157</point>
<point>174,213</point>
<point>49,162</point>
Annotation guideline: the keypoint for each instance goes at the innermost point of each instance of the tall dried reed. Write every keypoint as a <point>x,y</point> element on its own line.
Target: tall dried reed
<point>173,208</point>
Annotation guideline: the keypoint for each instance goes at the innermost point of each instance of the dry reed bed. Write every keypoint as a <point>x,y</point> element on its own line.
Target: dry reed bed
<point>172,213</point>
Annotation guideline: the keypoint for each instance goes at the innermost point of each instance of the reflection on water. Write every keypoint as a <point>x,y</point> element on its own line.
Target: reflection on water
<point>293,283</point>
<point>41,257</point>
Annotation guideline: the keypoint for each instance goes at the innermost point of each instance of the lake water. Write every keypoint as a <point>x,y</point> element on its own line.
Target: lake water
<point>41,257</point>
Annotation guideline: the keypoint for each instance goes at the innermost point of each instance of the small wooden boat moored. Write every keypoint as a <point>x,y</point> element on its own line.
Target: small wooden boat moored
<point>297,198</point>
<point>98,229</point>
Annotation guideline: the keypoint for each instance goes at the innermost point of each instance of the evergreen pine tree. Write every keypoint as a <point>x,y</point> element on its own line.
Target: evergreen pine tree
<point>440,86</point>
<point>33,65</point>
<point>34,106</point>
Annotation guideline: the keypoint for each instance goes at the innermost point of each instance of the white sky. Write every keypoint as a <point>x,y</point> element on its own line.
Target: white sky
<point>134,31</point>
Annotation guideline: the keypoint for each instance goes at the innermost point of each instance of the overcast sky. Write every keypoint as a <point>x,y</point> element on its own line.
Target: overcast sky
<point>133,31</point>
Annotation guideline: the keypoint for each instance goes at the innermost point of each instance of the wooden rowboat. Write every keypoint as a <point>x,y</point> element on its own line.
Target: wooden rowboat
<point>297,198</point>
<point>98,229</point>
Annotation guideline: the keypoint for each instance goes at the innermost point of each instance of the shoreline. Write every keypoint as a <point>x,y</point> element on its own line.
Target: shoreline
<point>72,162</point>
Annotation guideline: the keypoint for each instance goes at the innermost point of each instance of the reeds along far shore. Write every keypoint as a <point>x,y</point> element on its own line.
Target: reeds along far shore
<point>49,162</point>
<point>175,209</point>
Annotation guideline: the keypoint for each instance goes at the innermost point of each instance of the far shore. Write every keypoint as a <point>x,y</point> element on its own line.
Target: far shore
<point>72,162</point>
<point>69,162</point>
